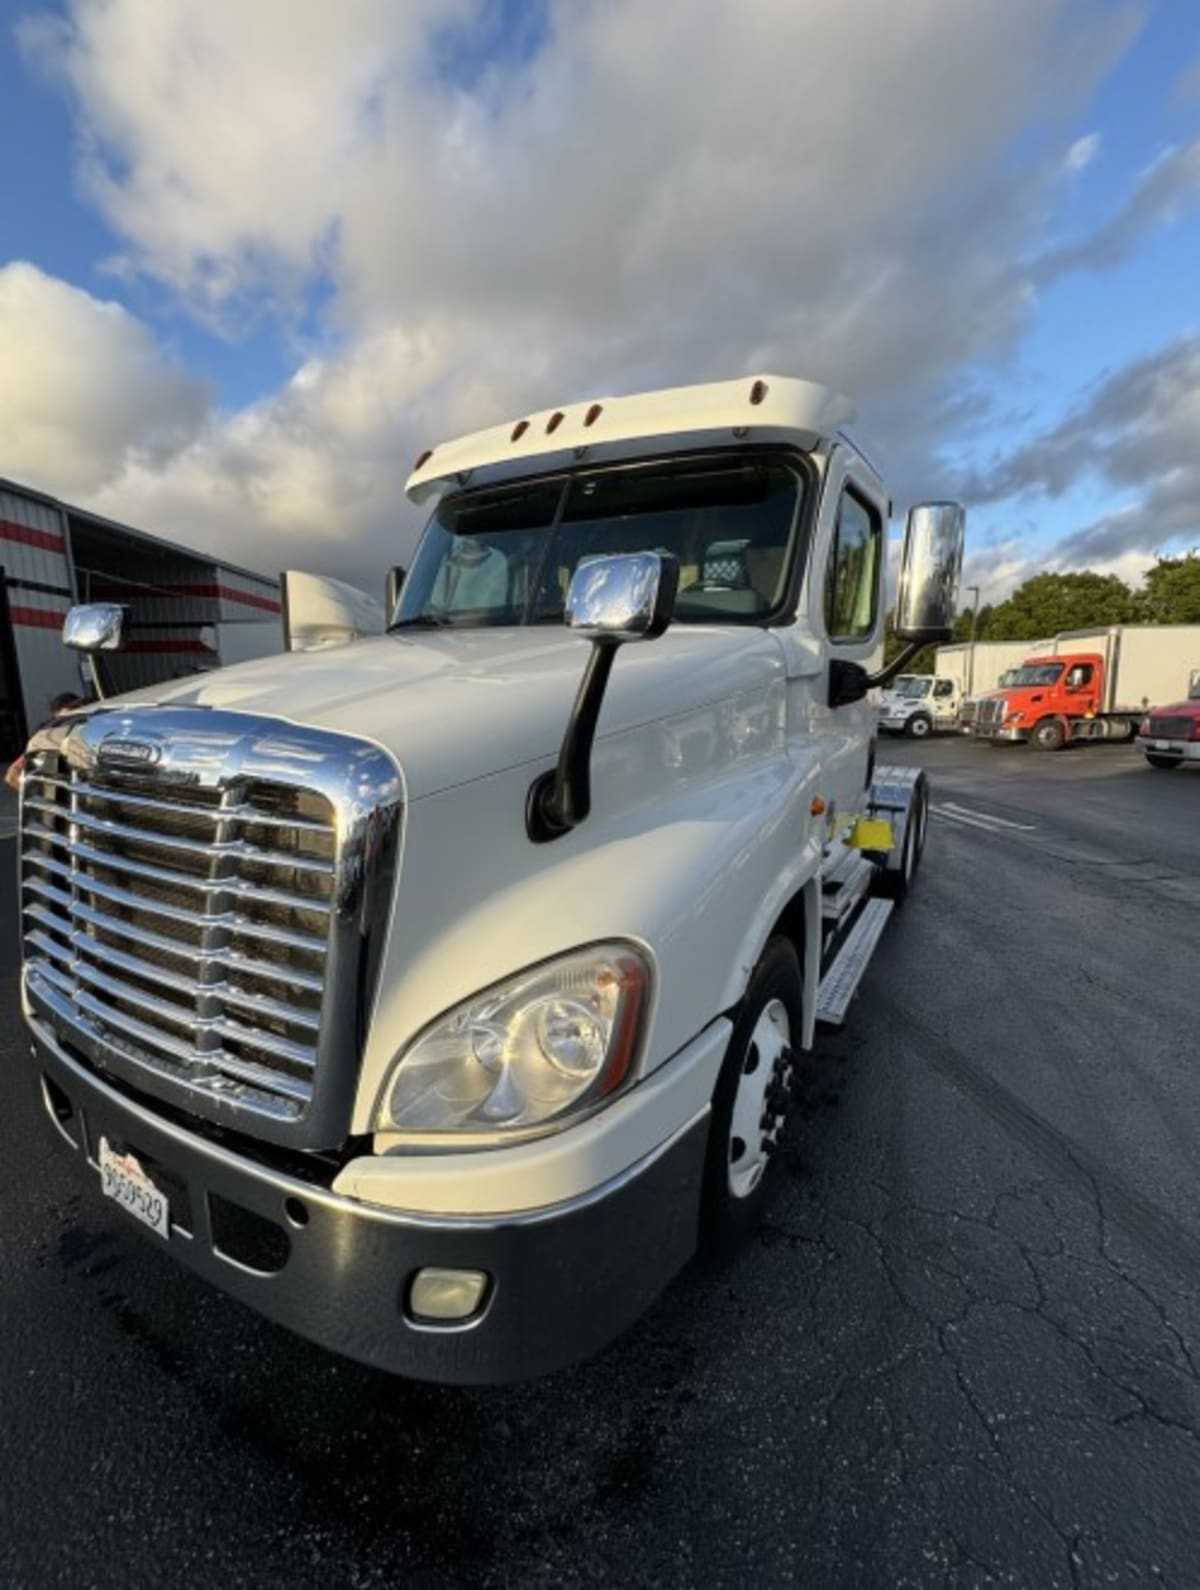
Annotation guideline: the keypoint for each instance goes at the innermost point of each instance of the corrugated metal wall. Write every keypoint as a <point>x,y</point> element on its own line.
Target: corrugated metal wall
<point>180,603</point>
<point>34,555</point>
<point>169,612</point>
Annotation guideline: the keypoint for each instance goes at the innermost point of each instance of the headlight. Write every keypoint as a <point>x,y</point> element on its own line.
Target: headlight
<point>549,1043</point>
<point>1016,717</point>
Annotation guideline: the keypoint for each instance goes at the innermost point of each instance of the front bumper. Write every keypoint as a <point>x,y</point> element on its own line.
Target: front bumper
<point>1002,733</point>
<point>1181,750</point>
<point>564,1280</point>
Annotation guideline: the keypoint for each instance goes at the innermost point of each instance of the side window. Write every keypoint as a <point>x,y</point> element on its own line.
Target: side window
<point>944,687</point>
<point>852,574</point>
<point>1079,677</point>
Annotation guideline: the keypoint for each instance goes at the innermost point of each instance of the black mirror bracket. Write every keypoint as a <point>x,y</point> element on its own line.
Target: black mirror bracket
<point>561,800</point>
<point>897,665</point>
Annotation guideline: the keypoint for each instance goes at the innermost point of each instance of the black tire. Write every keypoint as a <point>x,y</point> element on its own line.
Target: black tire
<point>919,726</point>
<point>1163,763</point>
<point>1048,735</point>
<point>895,884</point>
<point>728,1219</point>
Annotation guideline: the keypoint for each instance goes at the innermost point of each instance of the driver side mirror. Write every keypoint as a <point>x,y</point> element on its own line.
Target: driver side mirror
<point>929,572</point>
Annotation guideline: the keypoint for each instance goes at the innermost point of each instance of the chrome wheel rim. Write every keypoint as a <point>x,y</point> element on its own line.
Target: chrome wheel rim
<point>760,1103</point>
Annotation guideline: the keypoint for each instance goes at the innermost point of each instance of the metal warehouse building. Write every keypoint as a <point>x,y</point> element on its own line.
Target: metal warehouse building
<point>187,611</point>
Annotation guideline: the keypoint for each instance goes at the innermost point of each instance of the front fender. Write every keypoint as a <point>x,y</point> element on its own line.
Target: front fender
<point>697,869</point>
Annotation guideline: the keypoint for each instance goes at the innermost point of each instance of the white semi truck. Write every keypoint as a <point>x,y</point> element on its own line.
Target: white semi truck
<point>439,995</point>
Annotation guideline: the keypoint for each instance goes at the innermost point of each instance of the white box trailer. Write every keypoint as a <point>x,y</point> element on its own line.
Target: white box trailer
<point>977,665</point>
<point>1145,665</point>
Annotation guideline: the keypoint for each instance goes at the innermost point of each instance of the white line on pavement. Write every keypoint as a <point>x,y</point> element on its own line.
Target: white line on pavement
<point>979,820</point>
<point>987,817</point>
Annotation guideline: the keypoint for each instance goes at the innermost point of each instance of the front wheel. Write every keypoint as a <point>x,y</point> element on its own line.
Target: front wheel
<point>1049,735</point>
<point>918,726</point>
<point>1163,762</point>
<point>751,1101</point>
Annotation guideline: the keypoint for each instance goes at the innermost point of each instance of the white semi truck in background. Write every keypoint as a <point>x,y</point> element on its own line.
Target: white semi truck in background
<point>439,995</point>
<point>919,705</point>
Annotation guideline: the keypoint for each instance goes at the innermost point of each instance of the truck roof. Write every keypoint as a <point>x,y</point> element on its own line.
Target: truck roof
<point>765,408</point>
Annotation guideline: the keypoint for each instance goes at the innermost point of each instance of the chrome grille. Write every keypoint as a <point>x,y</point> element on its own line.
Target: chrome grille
<point>989,714</point>
<point>1165,728</point>
<point>198,923</point>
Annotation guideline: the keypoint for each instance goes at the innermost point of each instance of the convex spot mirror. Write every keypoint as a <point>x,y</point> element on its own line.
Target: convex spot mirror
<point>629,596</point>
<point>95,626</point>
<point>929,572</point>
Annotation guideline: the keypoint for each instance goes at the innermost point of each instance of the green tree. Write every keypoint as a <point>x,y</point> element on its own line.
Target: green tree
<point>1051,602</point>
<point>1171,593</point>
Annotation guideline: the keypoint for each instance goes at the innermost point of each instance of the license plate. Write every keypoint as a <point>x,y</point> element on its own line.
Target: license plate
<point>123,1179</point>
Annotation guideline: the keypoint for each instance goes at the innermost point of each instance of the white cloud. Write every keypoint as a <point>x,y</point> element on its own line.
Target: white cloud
<point>657,194</point>
<point>1081,153</point>
<point>85,390</point>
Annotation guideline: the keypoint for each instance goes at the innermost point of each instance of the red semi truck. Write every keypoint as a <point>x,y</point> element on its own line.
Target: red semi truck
<point>1090,685</point>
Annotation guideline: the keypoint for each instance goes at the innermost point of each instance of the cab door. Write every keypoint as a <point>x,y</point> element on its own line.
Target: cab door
<point>839,621</point>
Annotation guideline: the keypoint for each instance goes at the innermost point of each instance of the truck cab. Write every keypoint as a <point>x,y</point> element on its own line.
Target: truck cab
<point>919,705</point>
<point>441,994</point>
<point>1047,701</point>
<point>1169,736</point>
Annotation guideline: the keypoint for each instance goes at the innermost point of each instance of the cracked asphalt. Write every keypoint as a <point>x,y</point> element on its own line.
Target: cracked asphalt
<point>964,1351</point>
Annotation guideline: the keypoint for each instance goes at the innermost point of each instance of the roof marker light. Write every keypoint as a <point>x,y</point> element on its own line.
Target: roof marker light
<point>758,391</point>
<point>554,421</point>
<point>519,430</point>
<point>423,458</point>
<point>593,414</point>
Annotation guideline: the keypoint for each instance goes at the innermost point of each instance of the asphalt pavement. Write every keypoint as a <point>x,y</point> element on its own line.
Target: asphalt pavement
<point>964,1351</point>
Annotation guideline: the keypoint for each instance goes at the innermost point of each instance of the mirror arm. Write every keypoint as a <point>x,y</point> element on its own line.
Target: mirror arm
<point>560,801</point>
<point>99,684</point>
<point>896,666</point>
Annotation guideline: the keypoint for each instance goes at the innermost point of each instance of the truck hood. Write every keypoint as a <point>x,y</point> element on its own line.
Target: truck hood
<point>456,705</point>
<point>1189,708</point>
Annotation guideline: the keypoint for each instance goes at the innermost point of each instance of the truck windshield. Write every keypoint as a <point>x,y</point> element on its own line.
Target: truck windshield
<point>505,556</point>
<point>1035,674</point>
<point>912,686</point>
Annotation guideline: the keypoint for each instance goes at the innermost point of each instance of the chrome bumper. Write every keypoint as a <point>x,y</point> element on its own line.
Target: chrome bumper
<point>563,1280</point>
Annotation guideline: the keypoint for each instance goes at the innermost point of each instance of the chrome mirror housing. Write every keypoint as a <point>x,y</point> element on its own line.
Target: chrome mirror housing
<point>929,572</point>
<point>95,626</point>
<point>629,596</point>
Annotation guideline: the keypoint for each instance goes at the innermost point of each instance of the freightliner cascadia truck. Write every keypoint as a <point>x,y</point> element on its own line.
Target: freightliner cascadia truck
<point>1089,684</point>
<point>439,996</point>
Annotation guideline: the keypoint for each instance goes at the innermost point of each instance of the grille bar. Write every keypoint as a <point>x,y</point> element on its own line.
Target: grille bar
<point>109,829</point>
<point>120,797</point>
<point>116,862</point>
<point>240,925</point>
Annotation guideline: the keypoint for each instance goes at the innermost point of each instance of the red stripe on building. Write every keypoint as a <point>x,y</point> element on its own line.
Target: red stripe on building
<point>36,617</point>
<point>191,648</point>
<point>48,540</point>
<point>112,588</point>
<point>228,594</point>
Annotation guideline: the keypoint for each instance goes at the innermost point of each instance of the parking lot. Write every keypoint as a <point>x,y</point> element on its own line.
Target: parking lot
<point>964,1351</point>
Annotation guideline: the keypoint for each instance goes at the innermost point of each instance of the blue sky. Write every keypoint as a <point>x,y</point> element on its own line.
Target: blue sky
<point>335,237</point>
